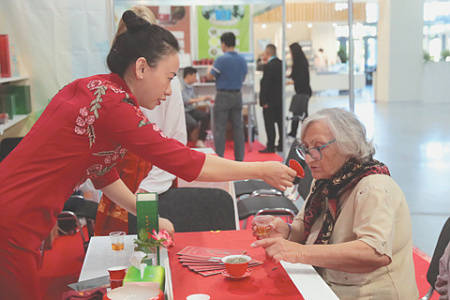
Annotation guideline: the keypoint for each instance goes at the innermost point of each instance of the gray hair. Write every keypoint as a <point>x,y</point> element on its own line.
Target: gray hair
<point>349,132</point>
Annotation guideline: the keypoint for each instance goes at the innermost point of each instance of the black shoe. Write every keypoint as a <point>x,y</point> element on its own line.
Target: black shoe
<point>292,135</point>
<point>267,150</point>
<point>279,148</point>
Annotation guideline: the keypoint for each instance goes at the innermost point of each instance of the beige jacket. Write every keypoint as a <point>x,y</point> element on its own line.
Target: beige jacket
<point>375,212</point>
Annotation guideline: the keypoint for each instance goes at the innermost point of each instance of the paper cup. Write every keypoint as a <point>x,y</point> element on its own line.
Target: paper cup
<point>117,272</point>
<point>115,283</point>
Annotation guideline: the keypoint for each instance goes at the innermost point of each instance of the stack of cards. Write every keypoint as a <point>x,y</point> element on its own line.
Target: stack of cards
<point>208,261</point>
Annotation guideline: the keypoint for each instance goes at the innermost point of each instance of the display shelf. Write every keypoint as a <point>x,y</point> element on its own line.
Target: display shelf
<point>12,79</point>
<point>15,120</point>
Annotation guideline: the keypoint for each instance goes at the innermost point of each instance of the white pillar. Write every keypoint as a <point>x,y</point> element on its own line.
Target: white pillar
<point>400,53</point>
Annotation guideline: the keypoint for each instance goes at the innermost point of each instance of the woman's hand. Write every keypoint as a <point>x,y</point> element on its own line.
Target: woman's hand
<point>277,175</point>
<point>278,228</point>
<point>280,249</point>
<point>167,225</point>
<point>140,191</point>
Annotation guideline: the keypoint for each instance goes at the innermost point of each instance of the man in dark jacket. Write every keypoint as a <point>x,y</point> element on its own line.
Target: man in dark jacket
<point>271,97</point>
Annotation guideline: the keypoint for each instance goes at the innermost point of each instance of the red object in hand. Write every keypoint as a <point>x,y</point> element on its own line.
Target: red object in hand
<point>297,167</point>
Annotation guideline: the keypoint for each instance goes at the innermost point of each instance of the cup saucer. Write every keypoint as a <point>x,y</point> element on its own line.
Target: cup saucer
<point>246,274</point>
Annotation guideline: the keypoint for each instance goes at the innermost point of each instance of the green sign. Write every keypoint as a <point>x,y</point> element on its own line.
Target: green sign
<point>215,20</point>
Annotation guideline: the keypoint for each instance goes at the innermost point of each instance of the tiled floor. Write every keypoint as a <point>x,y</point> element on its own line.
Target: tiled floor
<point>413,139</point>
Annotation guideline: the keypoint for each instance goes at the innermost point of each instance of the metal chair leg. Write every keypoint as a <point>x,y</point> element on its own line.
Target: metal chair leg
<point>428,294</point>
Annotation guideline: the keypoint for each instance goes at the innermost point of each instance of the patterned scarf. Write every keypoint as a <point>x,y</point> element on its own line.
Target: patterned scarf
<point>347,178</point>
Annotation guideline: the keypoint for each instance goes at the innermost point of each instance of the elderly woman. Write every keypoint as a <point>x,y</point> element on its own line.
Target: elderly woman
<point>355,225</point>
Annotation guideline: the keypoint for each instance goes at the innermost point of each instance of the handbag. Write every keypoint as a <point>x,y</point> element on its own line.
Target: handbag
<point>299,104</point>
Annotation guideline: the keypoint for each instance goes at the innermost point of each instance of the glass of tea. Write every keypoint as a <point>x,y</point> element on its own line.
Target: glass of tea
<point>117,240</point>
<point>262,223</point>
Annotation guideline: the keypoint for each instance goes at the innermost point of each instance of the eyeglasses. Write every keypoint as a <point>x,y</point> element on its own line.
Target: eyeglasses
<point>313,152</point>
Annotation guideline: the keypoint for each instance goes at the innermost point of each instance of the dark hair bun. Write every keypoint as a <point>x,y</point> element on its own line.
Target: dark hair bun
<point>132,21</point>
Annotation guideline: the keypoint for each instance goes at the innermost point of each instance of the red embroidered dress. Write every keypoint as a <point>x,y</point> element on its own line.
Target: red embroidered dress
<point>81,134</point>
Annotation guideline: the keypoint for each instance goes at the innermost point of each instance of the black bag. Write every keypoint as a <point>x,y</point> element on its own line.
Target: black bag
<point>299,104</point>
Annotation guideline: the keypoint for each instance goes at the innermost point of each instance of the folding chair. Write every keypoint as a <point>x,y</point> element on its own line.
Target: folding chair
<point>198,209</point>
<point>433,269</point>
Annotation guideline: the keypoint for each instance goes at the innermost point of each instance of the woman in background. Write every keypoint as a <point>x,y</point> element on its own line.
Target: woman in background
<point>300,79</point>
<point>83,133</point>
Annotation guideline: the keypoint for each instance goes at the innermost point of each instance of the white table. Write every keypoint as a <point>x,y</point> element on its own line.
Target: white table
<point>100,256</point>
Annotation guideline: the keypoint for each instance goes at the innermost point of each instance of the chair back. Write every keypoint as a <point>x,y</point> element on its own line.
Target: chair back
<point>7,145</point>
<point>292,154</point>
<point>198,209</point>
<point>444,239</point>
<point>304,184</point>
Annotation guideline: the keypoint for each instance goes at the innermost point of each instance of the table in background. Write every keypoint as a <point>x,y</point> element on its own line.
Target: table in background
<point>264,282</point>
<point>249,105</point>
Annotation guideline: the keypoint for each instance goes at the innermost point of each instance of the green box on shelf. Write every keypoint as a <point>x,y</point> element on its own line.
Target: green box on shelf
<point>7,105</point>
<point>147,213</point>
<point>23,98</point>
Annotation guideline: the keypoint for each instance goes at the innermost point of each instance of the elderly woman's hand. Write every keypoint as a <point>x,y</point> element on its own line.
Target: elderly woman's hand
<point>280,249</point>
<point>278,228</point>
<point>277,175</point>
<point>167,225</point>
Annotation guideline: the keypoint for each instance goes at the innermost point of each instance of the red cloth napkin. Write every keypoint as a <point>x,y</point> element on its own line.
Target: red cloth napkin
<point>91,294</point>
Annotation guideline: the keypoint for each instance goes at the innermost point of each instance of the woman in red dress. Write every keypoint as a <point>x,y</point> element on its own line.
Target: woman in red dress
<point>83,133</point>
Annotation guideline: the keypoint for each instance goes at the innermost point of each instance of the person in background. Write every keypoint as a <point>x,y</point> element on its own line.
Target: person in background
<point>320,61</point>
<point>137,173</point>
<point>271,97</point>
<point>300,79</point>
<point>194,115</point>
<point>355,225</point>
<point>442,284</point>
<point>83,133</point>
<point>229,71</point>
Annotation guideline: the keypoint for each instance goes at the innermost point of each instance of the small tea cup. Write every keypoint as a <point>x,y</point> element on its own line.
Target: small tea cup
<point>236,265</point>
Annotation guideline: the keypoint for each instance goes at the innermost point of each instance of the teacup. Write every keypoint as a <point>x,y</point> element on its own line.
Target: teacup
<point>236,265</point>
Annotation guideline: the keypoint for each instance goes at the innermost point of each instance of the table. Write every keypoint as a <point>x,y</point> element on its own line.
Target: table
<point>100,256</point>
<point>287,281</point>
<point>251,115</point>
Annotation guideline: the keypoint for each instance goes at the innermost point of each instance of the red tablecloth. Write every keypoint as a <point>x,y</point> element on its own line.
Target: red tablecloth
<point>263,283</point>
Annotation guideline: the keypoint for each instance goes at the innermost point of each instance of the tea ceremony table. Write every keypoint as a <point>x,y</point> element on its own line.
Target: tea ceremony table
<point>267,281</point>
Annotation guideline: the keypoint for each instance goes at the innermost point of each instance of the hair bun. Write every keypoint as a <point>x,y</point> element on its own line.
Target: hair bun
<point>132,21</point>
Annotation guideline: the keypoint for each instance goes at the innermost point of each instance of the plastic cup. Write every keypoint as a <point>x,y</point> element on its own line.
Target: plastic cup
<point>115,283</point>
<point>118,272</point>
<point>262,223</point>
<point>117,240</point>
<point>236,265</point>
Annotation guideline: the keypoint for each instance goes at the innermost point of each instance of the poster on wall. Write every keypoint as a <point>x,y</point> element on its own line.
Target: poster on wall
<point>215,20</point>
<point>176,19</point>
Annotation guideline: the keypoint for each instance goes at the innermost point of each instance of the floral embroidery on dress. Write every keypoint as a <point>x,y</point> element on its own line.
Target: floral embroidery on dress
<point>110,158</point>
<point>113,155</point>
<point>144,121</point>
<point>85,121</point>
